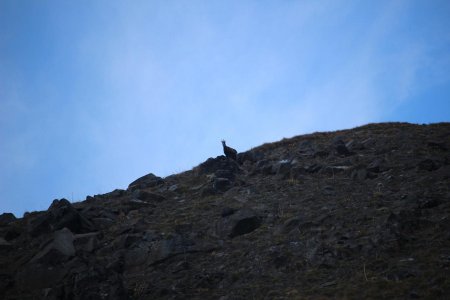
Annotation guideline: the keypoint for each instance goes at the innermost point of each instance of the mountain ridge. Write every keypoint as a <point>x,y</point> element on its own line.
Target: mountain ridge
<point>341,214</point>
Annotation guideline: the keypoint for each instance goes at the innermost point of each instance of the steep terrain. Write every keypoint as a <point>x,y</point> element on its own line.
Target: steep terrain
<point>352,214</point>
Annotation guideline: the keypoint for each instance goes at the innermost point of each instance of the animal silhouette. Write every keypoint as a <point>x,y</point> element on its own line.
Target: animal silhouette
<point>228,151</point>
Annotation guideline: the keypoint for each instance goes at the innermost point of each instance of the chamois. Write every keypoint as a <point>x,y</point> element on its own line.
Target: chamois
<point>229,152</point>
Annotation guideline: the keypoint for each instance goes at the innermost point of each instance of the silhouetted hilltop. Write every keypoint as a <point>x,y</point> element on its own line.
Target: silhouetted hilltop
<point>360,213</point>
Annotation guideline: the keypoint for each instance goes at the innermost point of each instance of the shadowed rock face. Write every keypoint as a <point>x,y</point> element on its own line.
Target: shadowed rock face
<point>361,213</point>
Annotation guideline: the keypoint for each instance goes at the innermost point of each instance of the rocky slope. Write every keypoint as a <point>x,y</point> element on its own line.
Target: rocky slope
<point>352,214</point>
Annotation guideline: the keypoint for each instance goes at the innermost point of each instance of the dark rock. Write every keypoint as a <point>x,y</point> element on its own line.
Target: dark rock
<point>4,244</point>
<point>116,263</point>
<point>307,169</point>
<point>147,181</point>
<point>6,281</point>
<point>313,168</point>
<point>406,222</point>
<point>6,218</point>
<point>225,174</point>
<point>291,224</point>
<point>376,166</point>
<point>32,277</point>
<point>319,235</point>
<point>429,165</point>
<point>245,225</point>
<point>250,156</point>
<point>59,215</point>
<point>328,190</point>
<point>401,273</point>
<point>241,222</point>
<point>137,256</point>
<point>443,172</point>
<point>150,253</point>
<point>227,211</point>
<point>362,174</point>
<point>333,170</point>
<point>127,240</point>
<point>338,139</point>
<point>183,229</point>
<point>60,249</point>
<point>148,196</point>
<point>221,184</point>
<point>438,145</point>
<point>87,242</point>
<point>96,283</point>
<point>133,204</point>
<point>340,148</point>
<point>369,143</point>
<point>264,166</point>
<point>282,169</point>
<point>208,190</point>
<point>430,203</point>
<point>114,194</point>
<point>298,172</point>
<point>219,163</point>
<point>103,223</point>
<point>173,188</point>
<point>353,145</point>
<point>305,145</point>
<point>12,232</point>
<point>359,174</point>
<point>321,153</point>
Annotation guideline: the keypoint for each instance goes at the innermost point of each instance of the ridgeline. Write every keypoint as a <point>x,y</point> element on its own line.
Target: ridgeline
<point>352,214</point>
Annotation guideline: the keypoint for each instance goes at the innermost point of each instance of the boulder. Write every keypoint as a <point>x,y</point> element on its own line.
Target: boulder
<point>87,242</point>
<point>211,165</point>
<point>114,194</point>
<point>353,145</point>
<point>239,223</point>
<point>60,249</point>
<point>12,231</point>
<point>6,218</point>
<point>377,166</point>
<point>59,215</point>
<point>147,181</point>
<point>340,148</point>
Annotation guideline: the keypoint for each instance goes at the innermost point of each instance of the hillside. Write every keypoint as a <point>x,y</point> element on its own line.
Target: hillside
<point>351,214</point>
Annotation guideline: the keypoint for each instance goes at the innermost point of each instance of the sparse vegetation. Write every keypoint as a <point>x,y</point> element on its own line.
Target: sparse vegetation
<point>303,218</point>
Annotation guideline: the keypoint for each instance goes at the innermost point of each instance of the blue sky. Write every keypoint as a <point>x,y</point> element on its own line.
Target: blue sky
<point>94,94</point>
